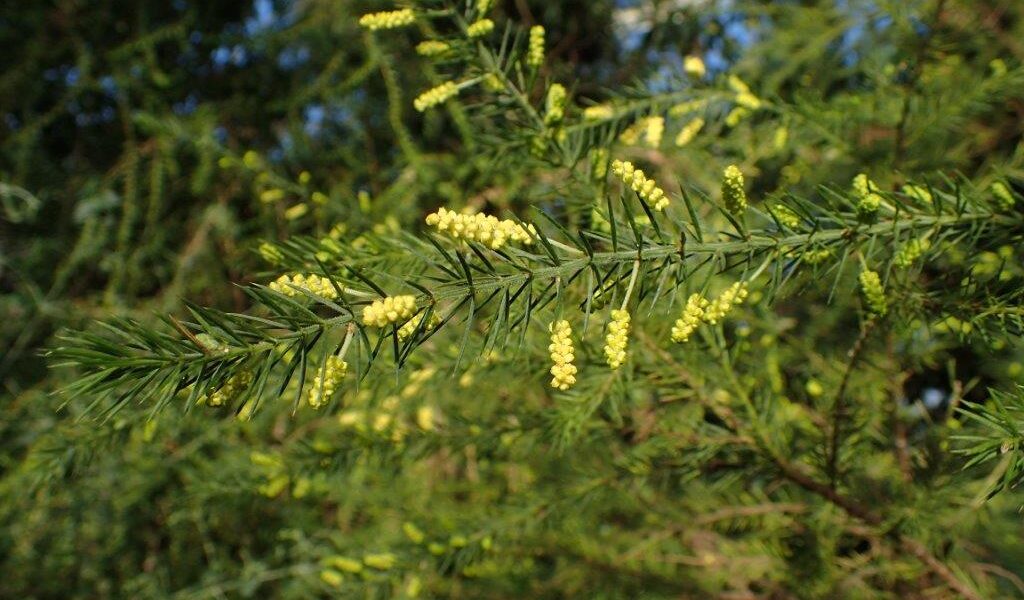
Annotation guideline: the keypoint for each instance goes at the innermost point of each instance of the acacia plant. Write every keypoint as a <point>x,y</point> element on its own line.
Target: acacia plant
<point>745,323</point>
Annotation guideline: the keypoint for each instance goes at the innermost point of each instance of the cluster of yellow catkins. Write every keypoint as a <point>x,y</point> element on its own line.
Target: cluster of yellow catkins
<point>393,309</point>
<point>733,194</point>
<point>689,131</point>
<point>785,215</point>
<point>327,382</point>
<point>535,51</point>
<point>733,295</point>
<point>699,310</point>
<point>617,338</point>
<point>873,291</point>
<point>480,28</point>
<point>436,95</point>
<point>867,200</point>
<point>235,385</point>
<point>694,65</point>
<point>693,315</point>
<point>598,112</point>
<point>486,229</point>
<point>290,285</point>
<point>432,48</point>
<point>650,129</point>
<point>563,371</point>
<point>390,19</point>
<point>412,324</point>
<point>646,188</point>
<point>554,109</point>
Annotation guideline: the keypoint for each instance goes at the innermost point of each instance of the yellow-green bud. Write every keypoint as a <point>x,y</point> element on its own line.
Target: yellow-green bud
<point>554,110</point>
<point>326,383</point>
<point>563,371</point>
<point>432,48</point>
<point>435,96</point>
<point>694,65</point>
<point>1003,196</point>
<point>910,252</point>
<point>388,19</point>
<point>785,215</point>
<point>873,292</point>
<point>687,323</point>
<point>639,183</point>
<point>485,229</point>
<point>392,309</point>
<point>480,28</point>
<point>689,131</point>
<point>535,52</point>
<point>733,194</point>
<point>617,339</point>
<point>381,562</point>
<point>722,306</point>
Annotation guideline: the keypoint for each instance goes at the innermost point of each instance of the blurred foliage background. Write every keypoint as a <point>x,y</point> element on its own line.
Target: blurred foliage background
<point>148,149</point>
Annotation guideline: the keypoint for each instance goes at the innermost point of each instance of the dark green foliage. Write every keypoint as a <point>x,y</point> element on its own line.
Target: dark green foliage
<point>162,164</point>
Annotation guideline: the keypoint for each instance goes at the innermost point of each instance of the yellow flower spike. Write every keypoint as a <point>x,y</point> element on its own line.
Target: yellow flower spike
<point>535,52</point>
<point>343,564</point>
<point>694,65</point>
<point>271,253</point>
<point>232,388</point>
<point>327,382</point>
<point>684,108</point>
<point>744,97</point>
<point>426,417</point>
<point>483,6</point>
<point>780,138</point>
<point>816,256</point>
<point>654,130</point>
<point>910,252</point>
<point>414,533</point>
<point>918,192</point>
<point>1003,196</point>
<point>785,215</point>
<point>868,201</point>
<point>563,371</point>
<point>617,338</point>
<point>480,28</point>
<point>431,48</point>
<point>412,324</point>
<point>485,229</point>
<point>251,159</point>
<point>693,314</point>
<point>599,163</point>
<point>271,196</point>
<point>873,292</point>
<point>734,295</point>
<point>736,115</point>
<point>392,309</point>
<point>598,112</point>
<point>436,96</point>
<point>381,562</point>
<point>646,188</point>
<point>554,110</point>
<point>689,131</point>
<point>733,194</point>
<point>290,285</point>
<point>332,578</point>
<point>391,19</point>
<point>296,212</point>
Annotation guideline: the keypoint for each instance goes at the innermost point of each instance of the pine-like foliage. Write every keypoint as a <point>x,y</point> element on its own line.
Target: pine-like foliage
<point>509,299</point>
